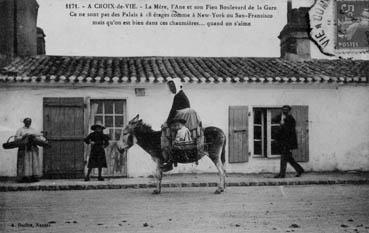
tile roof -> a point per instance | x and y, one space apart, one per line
189 69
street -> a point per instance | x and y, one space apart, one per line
328 208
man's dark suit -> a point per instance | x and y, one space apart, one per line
287 141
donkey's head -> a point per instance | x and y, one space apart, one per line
127 138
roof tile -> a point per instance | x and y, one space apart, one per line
189 69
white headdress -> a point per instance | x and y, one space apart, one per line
177 83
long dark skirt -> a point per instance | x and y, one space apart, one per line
97 157
28 163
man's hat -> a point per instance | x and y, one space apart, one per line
97 125
286 106
180 120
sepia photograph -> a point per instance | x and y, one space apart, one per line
184 116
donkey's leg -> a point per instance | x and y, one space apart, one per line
215 153
216 140
158 177
221 185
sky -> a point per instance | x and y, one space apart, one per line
66 35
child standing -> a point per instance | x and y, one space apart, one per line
98 141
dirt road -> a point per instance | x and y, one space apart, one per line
333 208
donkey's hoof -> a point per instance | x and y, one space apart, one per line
156 191
219 191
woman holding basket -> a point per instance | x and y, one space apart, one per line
28 158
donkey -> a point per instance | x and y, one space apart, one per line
138 132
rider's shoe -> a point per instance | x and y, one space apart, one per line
166 163
167 167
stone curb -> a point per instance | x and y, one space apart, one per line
14 188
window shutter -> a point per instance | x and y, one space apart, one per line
238 134
301 113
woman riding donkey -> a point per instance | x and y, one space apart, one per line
165 146
180 112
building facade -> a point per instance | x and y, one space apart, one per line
65 95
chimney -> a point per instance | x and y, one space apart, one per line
295 40
289 9
17 29
40 41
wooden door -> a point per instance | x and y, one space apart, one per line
301 114
238 134
63 120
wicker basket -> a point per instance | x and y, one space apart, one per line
25 141
14 143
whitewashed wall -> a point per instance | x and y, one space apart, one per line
338 115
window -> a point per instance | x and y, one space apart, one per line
112 113
265 131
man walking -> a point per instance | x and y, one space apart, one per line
287 141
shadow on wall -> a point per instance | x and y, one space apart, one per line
357 158
8 158
139 163
325 162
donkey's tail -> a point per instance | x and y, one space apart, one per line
222 156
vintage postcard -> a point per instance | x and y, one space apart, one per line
184 116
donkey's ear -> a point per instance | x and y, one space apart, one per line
134 119
140 121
